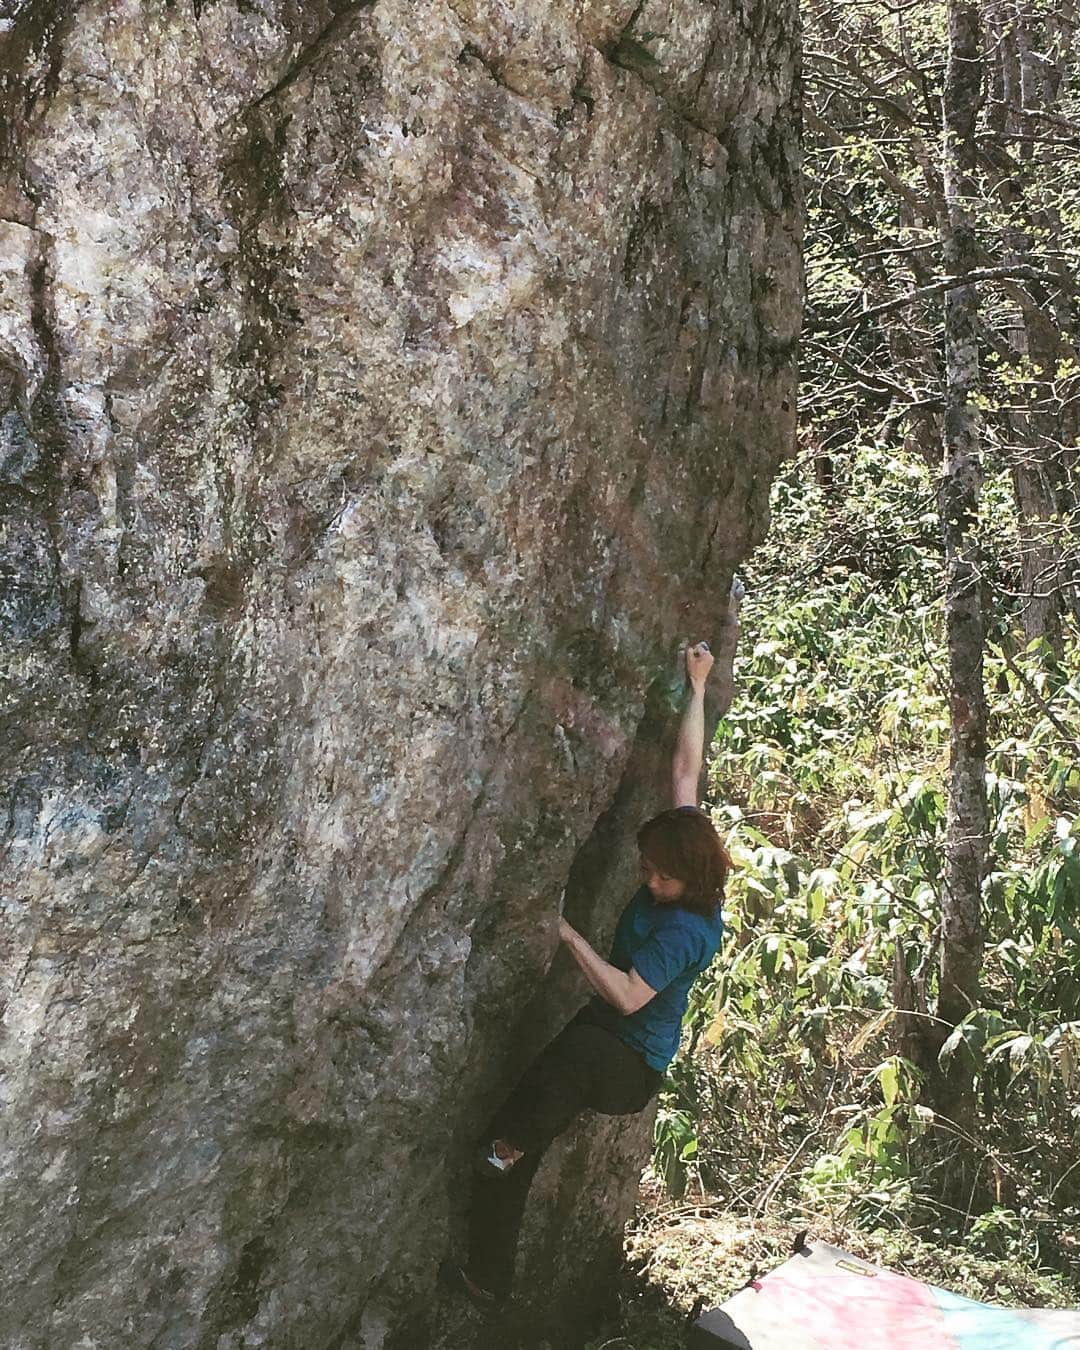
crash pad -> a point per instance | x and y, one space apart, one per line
826 1299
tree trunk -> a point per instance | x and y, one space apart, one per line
962 938
1043 334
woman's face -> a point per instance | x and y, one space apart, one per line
664 889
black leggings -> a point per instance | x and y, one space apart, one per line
584 1067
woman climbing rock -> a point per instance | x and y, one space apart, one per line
611 1057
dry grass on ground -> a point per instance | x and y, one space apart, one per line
696 1253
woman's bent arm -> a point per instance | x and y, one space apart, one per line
624 990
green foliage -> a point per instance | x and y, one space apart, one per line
812 1044
675 1146
829 781
807 1055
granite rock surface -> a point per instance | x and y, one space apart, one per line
386 389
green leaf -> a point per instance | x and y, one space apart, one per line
889 1077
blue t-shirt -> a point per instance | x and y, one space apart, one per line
668 947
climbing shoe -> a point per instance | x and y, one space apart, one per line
489 1164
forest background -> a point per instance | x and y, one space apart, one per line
888 1049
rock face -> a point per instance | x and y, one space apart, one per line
388 387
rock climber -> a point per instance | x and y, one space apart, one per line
612 1055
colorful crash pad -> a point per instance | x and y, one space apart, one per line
826 1299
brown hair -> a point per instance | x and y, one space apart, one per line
683 843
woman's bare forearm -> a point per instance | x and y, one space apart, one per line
625 990
689 753
612 984
690 745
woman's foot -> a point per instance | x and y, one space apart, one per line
497 1158
456 1278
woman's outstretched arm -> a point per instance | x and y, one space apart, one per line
690 747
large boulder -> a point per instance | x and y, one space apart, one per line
388 388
